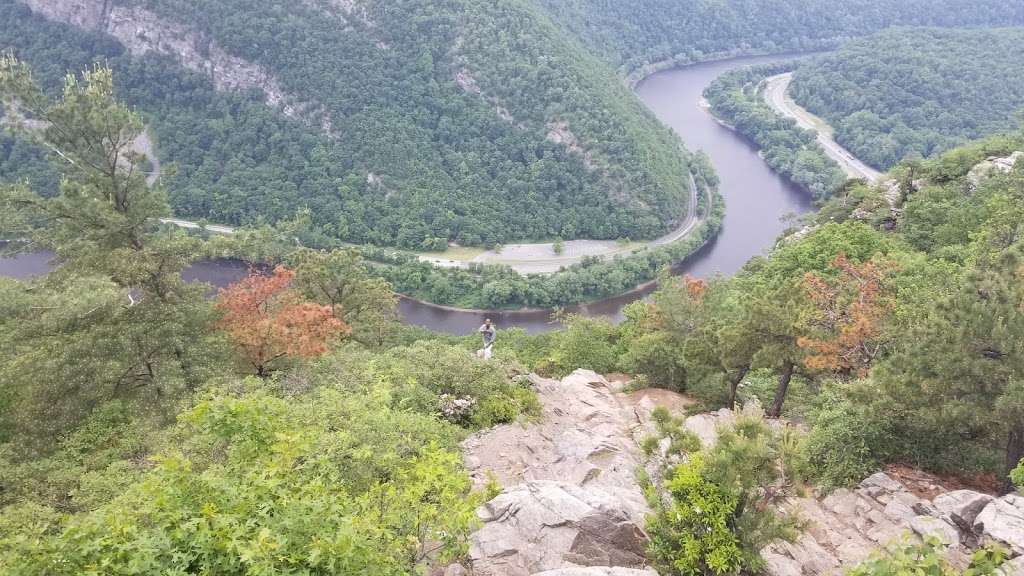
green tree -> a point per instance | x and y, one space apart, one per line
721 512
115 319
341 280
968 355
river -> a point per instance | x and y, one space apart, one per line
757 199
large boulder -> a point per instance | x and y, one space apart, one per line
1002 520
571 500
584 437
547 525
991 166
962 506
931 527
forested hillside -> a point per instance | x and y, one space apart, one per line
636 34
409 123
916 91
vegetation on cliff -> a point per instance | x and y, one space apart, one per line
645 32
893 333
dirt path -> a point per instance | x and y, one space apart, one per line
541 259
776 96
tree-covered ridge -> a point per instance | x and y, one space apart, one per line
916 91
470 121
636 34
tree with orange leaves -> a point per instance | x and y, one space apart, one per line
270 321
844 330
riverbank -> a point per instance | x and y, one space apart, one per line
736 100
543 258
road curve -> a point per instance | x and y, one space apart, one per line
541 259
776 97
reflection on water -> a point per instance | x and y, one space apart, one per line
757 200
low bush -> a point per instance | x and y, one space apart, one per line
721 503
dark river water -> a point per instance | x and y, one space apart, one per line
756 201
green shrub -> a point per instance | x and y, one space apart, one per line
722 503
659 357
926 559
437 378
1017 475
694 535
257 483
847 441
585 343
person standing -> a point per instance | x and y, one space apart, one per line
489 334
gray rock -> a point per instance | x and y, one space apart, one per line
991 166
814 558
1013 567
883 481
962 506
456 570
779 565
842 502
931 527
1002 520
583 437
597 571
546 525
705 426
902 507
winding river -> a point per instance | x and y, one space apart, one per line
757 200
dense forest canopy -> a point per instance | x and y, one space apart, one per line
420 122
470 121
635 34
916 91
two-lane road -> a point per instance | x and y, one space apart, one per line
776 96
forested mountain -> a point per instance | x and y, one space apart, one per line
636 34
916 91
405 123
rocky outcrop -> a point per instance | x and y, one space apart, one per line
571 504
597 572
141 31
843 528
992 166
1002 520
559 133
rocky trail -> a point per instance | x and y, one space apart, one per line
570 504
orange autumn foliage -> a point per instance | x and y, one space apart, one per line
695 287
267 320
847 316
